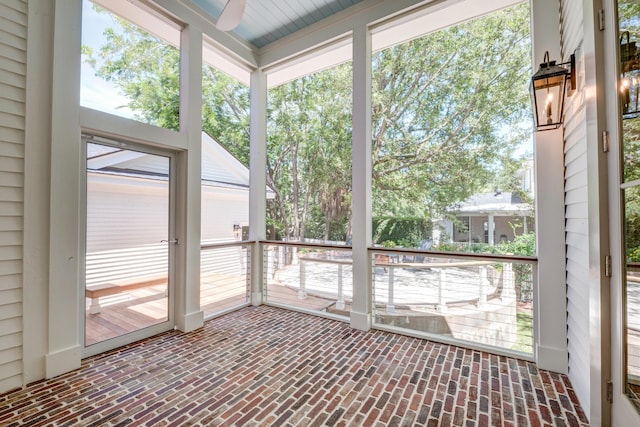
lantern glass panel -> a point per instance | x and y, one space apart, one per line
549 100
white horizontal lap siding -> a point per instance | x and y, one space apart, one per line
123 214
576 212
13 46
126 220
221 209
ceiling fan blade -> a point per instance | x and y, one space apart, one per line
231 15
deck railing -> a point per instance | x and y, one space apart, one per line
632 317
308 277
483 300
225 277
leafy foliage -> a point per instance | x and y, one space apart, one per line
448 110
147 72
628 12
309 154
441 106
403 232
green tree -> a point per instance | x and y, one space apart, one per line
628 13
448 110
146 70
309 153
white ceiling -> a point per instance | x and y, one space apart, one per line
266 21
320 41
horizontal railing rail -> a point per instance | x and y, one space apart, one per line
225 276
461 255
469 299
207 246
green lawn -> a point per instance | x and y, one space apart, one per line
525 332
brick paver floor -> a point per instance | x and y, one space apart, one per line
264 366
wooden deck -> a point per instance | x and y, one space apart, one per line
141 308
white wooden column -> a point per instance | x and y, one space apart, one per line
492 229
361 185
37 160
188 315
551 300
594 51
64 350
258 180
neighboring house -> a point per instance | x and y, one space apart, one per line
491 217
128 208
488 218
121 182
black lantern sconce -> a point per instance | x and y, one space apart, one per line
236 231
548 87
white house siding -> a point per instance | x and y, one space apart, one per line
127 217
126 220
13 46
576 211
222 208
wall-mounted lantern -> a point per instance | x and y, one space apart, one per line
548 87
236 231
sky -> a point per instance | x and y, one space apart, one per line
95 92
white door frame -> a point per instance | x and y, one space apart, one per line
623 413
170 323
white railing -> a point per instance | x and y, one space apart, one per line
485 300
308 277
225 275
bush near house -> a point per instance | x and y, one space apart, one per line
404 232
522 245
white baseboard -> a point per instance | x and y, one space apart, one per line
553 359
63 361
361 321
191 322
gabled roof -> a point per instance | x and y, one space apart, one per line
506 203
219 167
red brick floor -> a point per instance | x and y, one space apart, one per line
263 366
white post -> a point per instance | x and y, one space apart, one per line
442 298
187 284
482 285
340 303
390 304
491 232
302 291
258 181
509 282
551 339
37 162
64 345
361 179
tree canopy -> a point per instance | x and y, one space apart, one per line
448 114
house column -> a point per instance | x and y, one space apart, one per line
361 170
491 231
551 338
64 351
258 180
188 315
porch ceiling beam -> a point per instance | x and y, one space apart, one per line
334 28
327 43
235 49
